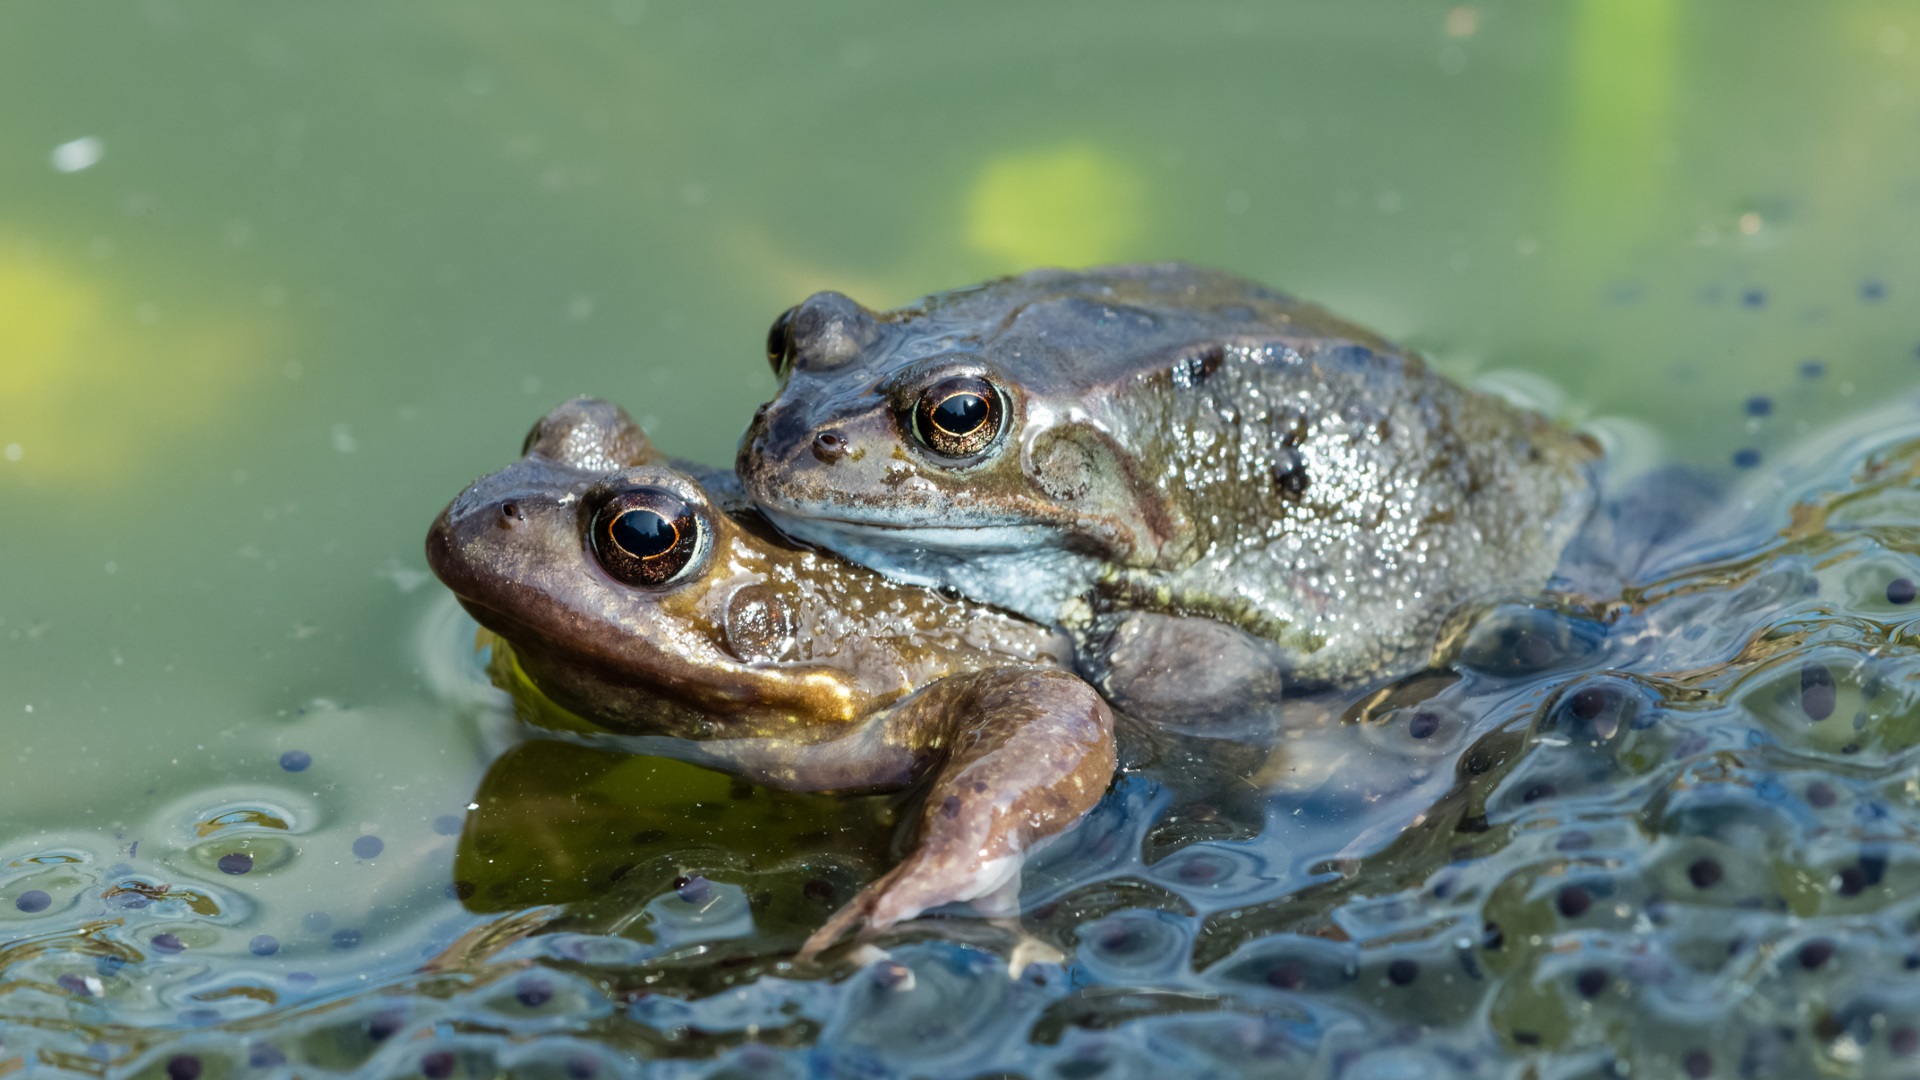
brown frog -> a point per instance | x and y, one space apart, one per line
1211 485
641 594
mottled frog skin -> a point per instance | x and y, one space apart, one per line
632 596
1189 471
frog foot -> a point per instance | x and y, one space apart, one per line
914 886
1027 950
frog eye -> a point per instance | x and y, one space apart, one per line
780 342
960 416
647 537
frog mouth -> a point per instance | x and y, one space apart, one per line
847 535
1021 568
513 628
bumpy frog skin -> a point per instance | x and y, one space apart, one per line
1157 455
732 648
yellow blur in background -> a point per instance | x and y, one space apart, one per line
1070 206
94 385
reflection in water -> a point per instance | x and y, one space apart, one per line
608 831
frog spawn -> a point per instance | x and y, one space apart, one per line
1699 862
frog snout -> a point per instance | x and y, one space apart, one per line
781 436
785 428
443 549
486 529
495 510
829 447
476 510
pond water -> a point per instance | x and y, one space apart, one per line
276 282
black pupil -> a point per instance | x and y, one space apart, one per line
644 533
961 413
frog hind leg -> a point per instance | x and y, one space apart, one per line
1021 754
1637 528
1187 673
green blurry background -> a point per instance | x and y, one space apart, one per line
333 259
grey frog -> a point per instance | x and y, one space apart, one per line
1211 485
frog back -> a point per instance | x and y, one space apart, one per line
1336 496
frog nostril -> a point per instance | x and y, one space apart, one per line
829 446
511 512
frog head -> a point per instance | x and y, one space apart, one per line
628 596
1014 425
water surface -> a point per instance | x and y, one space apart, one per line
275 283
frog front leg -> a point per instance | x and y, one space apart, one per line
1016 755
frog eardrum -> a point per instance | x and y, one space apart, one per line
647 536
959 417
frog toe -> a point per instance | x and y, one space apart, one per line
923 882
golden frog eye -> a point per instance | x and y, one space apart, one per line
780 342
647 537
960 416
